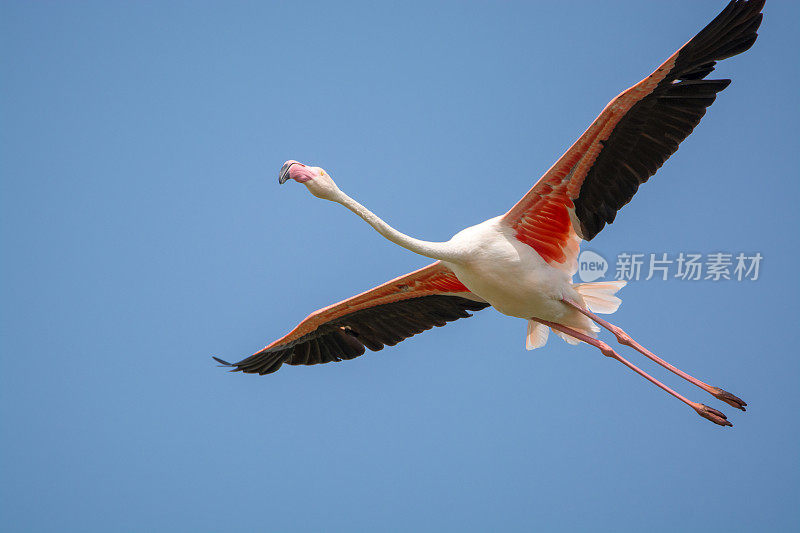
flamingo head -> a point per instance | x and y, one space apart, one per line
318 182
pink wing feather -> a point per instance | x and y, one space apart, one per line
630 140
385 315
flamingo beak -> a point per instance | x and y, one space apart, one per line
283 175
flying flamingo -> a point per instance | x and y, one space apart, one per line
522 262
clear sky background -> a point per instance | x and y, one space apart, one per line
143 230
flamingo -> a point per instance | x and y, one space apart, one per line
522 263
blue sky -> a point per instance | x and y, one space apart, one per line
143 230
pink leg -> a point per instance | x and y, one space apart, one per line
703 410
625 339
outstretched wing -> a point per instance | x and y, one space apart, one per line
385 315
630 140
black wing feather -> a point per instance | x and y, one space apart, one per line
653 128
350 335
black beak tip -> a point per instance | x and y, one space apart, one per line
283 175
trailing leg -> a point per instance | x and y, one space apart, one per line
625 339
703 410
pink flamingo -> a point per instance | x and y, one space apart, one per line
522 262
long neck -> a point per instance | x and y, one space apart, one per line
435 250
